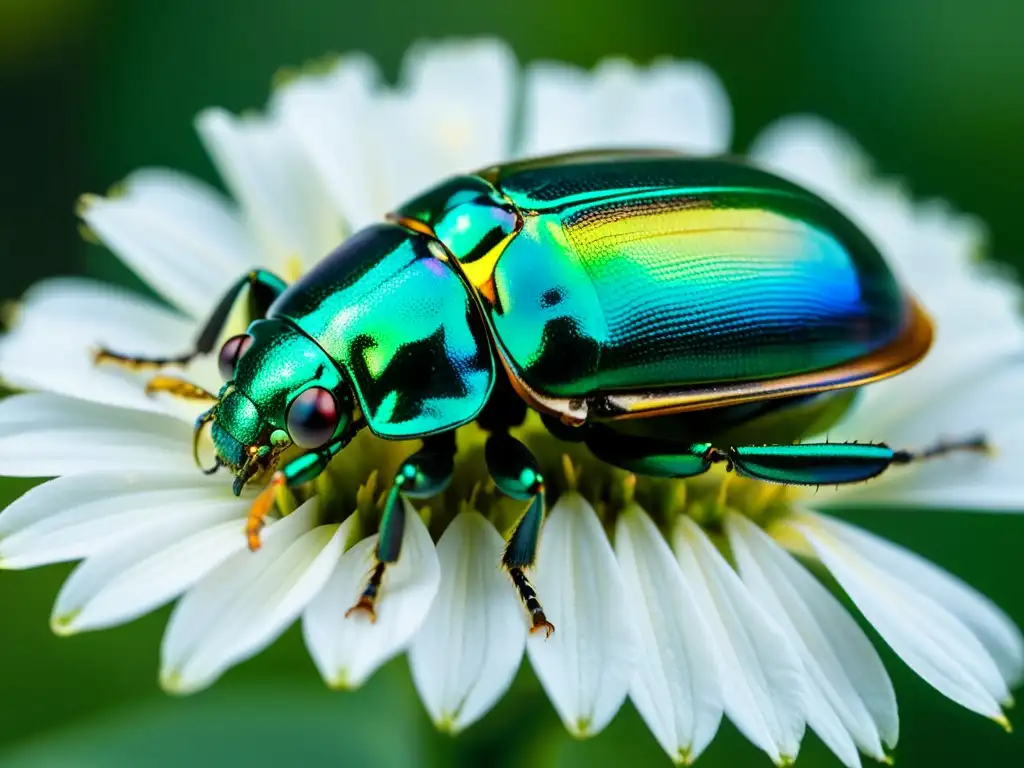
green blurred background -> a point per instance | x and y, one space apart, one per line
92 89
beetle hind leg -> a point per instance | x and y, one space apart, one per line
829 463
653 457
517 474
836 463
974 444
787 464
180 388
424 474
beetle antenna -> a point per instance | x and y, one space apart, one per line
205 418
217 464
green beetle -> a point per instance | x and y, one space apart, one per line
670 312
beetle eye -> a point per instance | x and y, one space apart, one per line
233 349
312 418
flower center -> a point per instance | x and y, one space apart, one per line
357 481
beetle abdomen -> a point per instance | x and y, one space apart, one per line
728 274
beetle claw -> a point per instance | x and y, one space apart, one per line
365 605
367 602
541 624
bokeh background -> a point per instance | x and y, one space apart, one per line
91 89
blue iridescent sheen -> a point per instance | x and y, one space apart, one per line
812 464
687 271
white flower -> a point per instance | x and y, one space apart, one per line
703 614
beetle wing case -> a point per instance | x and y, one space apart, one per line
634 283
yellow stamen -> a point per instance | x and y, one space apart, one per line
569 470
293 269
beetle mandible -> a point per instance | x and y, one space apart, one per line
670 312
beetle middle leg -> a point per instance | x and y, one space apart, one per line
517 474
424 474
264 288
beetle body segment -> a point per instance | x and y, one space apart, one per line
616 284
400 323
717 273
605 286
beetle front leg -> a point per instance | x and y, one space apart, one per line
264 288
517 474
424 474
299 471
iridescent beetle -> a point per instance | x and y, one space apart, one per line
669 312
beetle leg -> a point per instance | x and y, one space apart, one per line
179 388
975 444
788 464
832 463
651 457
264 288
811 463
424 474
516 473
301 470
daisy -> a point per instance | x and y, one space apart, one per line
695 599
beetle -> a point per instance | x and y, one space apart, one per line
670 312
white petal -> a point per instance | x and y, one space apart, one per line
451 114
335 117
284 200
464 657
675 684
667 105
80 515
179 235
374 147
61 322
43 435
348 650
762 679
853 698
993 628
983 405
813 153
586 665
148 570
930 639
244 604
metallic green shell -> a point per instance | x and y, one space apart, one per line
655 272
614 276
280 364
402 326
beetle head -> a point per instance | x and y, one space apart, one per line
281 390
